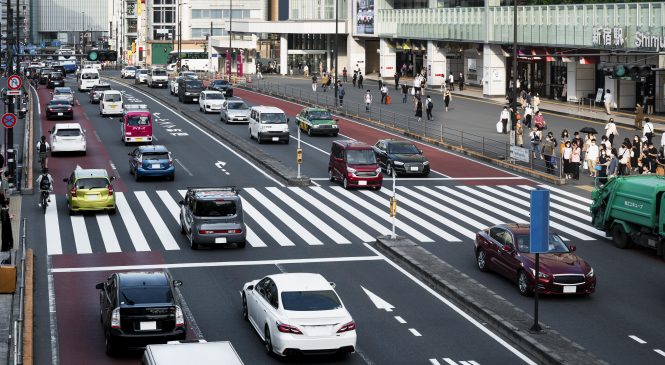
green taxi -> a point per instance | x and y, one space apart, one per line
317 121
90 190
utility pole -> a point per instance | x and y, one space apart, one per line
336 47
122 30
230 36
514 104
10 39
179 35
18 35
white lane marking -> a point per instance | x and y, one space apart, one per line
449 361
637 339
564 199
400 319
112 165
383 213
207 134
308 237
97 136
170 204
464 362
585 216
133 228
415 332
473 362
183 167
434 362
659 352
457 204
438 178
562 192
527 204
39 107
53 324
81 239
53 243
221 264
108 235
264 223
360 216
336 217
182 192
455 308
165 236
253 239
526 213
316 221
421 222
378 302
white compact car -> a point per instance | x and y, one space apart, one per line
210 101
128 72
298 313
110 103
67 137
141 76
268 123
157 77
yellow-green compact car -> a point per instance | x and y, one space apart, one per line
90 190
317 121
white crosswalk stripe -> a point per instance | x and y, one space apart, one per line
294 216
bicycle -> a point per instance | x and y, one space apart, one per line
44 199
43 160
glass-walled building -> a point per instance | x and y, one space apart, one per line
67 20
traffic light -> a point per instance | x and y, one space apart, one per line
299 156
393 207
102 56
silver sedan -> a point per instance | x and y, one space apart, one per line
235 110
64 93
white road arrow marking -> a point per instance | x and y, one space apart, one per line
378 302
220 164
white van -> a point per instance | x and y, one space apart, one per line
110 102
268 123
197 352
89 77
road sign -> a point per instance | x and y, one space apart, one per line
14 82
8 120
540 221
14 92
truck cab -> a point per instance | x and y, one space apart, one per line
136 124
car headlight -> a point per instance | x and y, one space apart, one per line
398 163
378 170
425 162
351 170
335 126
590 274
541 274
315 126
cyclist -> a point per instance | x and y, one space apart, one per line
43 147
45 183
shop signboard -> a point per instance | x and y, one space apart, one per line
364 15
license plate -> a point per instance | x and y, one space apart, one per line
148 326
570 289
93 196
195 99
156 166
140 139
362 182
112 106
414 168
275 139
60 114
319 330
220 240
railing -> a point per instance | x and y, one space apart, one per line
16 347
456 139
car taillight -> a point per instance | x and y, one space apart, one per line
217 231
73 191
351 326
179 317
115 318
285 328
110 187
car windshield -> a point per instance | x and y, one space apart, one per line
56 75
556 244
112 97
314 300
158 72
155 155
145 295
102 87
273 118
214 208
360 157
69 132
238 105
402 148
138 120
320 114
130 68
63 92
189 74
92 183
220 82
194 83
214 96
90 76
142 72
59 102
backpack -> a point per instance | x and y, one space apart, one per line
430 104
42 147
342 93
44 183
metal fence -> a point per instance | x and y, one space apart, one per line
433 131
16 347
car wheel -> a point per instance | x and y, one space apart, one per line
112 211
481 258
258 138
426 174
108 341
192 244
245 314
523 283
345 183
268 341
309 132
620 237
136 176
288 140
389 168
331 177
250 133
172 177
334 134
84 153
377 188
182 226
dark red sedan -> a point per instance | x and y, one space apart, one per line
504 249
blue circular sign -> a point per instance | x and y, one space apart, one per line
8 120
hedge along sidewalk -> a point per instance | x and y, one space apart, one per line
546 347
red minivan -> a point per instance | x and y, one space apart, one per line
354 164
136 124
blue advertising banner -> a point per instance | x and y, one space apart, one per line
540 221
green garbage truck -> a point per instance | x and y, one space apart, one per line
631 209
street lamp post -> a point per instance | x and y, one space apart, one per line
230 36
514 103
336 46
179 63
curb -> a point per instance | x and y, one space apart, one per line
547 347
28 305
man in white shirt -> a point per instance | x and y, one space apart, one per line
608 101
592 153
451 81
647 129
504 117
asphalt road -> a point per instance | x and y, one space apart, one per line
322 229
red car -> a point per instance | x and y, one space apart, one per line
504 249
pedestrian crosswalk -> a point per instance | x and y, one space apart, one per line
314 216
449 361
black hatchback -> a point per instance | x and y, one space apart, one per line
140 308
402 157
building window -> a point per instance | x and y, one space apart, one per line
164 33
203 32
220 14
163 15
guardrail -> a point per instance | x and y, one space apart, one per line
440 133
16 347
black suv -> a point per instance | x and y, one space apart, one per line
140 308
189 90
97 91
401 156
55 79
222 86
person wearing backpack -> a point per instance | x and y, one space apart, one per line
340 93
43 148
45 183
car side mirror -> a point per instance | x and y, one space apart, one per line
65 180
99 286
181 203
332 284
111 178
507 248
250 287
49 132
177 282
572 248
129 154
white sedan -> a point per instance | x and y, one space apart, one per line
67 137
210 101
298 313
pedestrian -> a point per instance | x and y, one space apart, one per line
460 80
635 152
528 115
380 81
613 164
591 157
611 130
519 138
368 100
624 157
324 82
548 153
355 77
528 98
639 116
419 108
647 131
601 166
396 77
313 82
384 94
575 159
505 115
306 71
535 137
344 72
451 81
446 98
6 221
607 99
429 106
360 80
416 84
649 104
652 157
4 183
539 121
405 92
576 139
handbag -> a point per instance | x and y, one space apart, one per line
599 167
585 166
499 127
413 91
